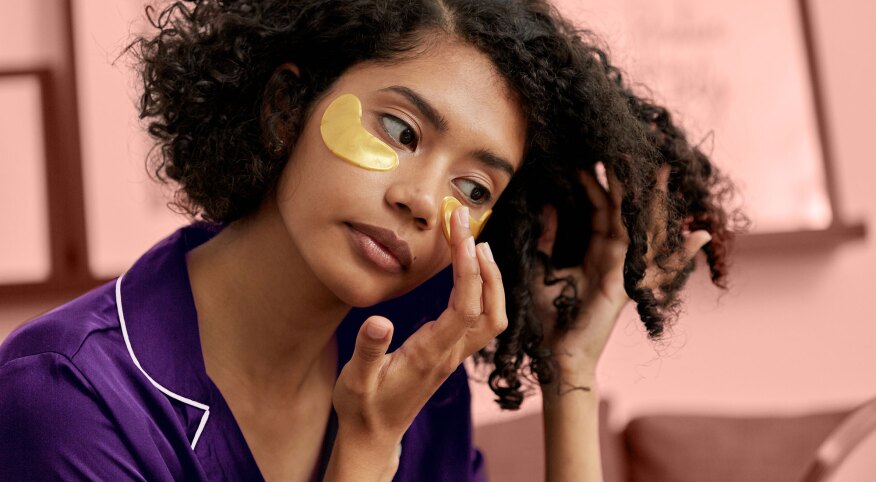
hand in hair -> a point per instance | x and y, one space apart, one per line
599 280
378 394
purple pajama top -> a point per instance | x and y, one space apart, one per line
112 386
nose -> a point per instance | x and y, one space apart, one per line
416 197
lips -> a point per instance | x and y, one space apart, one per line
388 240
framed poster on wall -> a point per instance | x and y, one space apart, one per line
739 76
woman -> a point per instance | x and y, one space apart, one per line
313 325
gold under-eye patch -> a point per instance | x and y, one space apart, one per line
342 132
476 225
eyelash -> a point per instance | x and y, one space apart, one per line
487 196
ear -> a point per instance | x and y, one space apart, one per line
280 110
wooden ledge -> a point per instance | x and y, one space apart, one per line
830 237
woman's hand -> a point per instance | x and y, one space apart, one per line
377 395
600 282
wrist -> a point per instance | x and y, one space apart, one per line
562 385
573 367
568 379
563 394
356 458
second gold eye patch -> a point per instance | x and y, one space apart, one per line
476 225
343 133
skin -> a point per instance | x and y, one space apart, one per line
271 289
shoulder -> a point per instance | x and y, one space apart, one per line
69 358
39 388
56 424
45 363
64 329
74 402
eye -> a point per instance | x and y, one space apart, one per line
399 130
477 193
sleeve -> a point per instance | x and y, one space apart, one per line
52 426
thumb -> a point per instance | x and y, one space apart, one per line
372 342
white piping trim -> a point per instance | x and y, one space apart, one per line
200 428
157 385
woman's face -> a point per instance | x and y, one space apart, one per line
453 122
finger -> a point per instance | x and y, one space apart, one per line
371 345
663 177
549 226
599 198
465 307
616 193
495 319
695 242
659 209
599 170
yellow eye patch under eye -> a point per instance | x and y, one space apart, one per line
342 132
476 225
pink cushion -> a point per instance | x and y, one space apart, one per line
681 448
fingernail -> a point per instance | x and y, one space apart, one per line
469 246
487 251
463 213
376 331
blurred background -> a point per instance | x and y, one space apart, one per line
779 92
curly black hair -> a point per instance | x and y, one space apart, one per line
224 119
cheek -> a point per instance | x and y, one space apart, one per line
442 257
342 131
313 177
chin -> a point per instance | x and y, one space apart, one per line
361 297
356 289
364 291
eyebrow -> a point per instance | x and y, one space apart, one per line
489 159
485 156
430 113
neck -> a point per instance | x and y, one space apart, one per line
266 322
